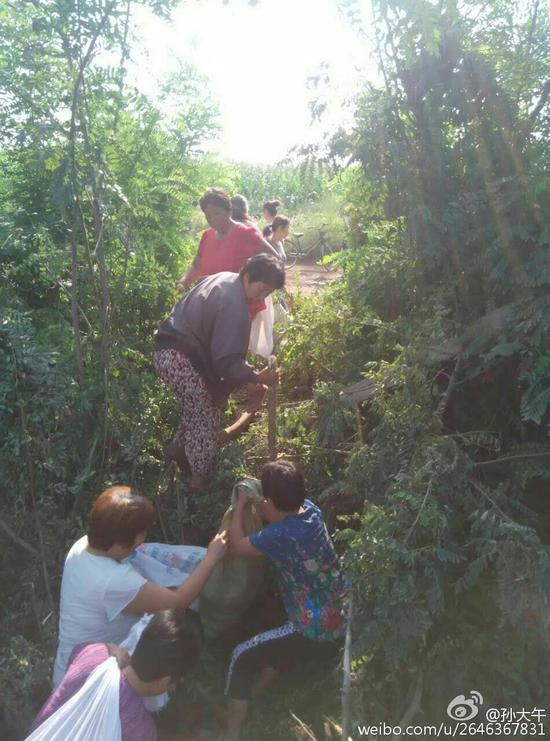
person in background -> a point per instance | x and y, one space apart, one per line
226 245
239 211
313 589
169 646
201 355
102 597
276 233
269 212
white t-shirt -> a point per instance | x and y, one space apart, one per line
94 592
279 248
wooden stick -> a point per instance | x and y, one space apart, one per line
359 423
272 413
304 728
346 682
414 706
237 428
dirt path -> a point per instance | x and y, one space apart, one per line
311 278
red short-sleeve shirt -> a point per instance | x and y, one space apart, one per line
230 253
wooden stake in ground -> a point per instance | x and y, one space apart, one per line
346 683
272 413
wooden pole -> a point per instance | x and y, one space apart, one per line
359 422
346 683
272 413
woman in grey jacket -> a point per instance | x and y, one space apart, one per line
200 352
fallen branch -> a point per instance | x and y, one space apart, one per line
312 450
326 450
304 728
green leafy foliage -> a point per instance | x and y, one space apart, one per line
449 250
98 185
536 399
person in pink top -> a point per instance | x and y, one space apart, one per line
169 646
226 245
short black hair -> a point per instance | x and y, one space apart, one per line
283 483
169 646
216 197
266 268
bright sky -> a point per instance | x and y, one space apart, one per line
257 60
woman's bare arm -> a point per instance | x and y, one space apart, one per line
154 598
267 247
239 542
190 276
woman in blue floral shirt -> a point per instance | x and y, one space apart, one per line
312 586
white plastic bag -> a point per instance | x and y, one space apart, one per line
261 331
89 715
153 703
169 566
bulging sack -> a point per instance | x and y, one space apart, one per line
235 580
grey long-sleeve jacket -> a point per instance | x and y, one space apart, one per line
211 326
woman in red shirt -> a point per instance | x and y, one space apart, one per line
226 245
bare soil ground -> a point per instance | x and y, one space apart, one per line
309 277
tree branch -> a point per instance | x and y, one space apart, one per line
539 106
18 540
511 458
444 401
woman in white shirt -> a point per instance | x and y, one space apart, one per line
101 596
276 233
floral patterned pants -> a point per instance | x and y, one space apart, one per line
198 429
